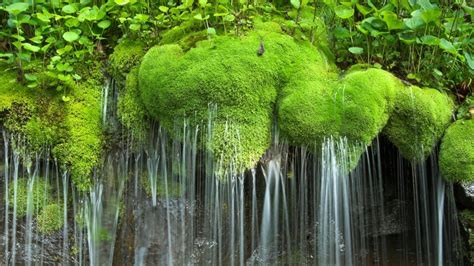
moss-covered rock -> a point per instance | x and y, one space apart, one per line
227 72
127 54
356 106
51 219
418 121
456 158
40 196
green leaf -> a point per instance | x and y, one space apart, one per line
229 18
104 24
66 98
344 12
31 47
198 16
202 3
341 33
392 20
122 2
70 36
31 77
163 9
356 50
469 59
17 8
429 40
295 3
69 9
363 9
211 31
447 46
135 27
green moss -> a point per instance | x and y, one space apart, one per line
126 55
40 194
356 106
418 121
130 107
226 72
456 158
82 149
51 219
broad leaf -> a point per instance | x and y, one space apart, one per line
17 8
70 36
295 3
344 12
31 47
356 50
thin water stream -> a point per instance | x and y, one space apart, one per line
165 201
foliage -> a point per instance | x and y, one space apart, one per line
427 42
418 121
456 158
40 195
51 219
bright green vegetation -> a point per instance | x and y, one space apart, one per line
82 150
456 158
418 121
356 106
40 195
127 54
228 73
51 219
43 118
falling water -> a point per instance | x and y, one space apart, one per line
168 200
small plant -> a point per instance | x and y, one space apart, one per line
51 219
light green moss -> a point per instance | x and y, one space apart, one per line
228 73
81 152
456 158
127 54
418 121
40 196
356 106
51 219
130 107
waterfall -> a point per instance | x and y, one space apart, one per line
168 200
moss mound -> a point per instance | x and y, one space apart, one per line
127 54
356 106
418 121
44 119
227 72
456 158
51 219
40 196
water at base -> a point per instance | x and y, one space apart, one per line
166 202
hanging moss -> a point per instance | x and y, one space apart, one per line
51 219
419 119
81 151
40 196
130 107
456 158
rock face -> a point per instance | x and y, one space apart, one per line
456 160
